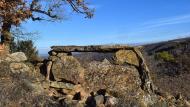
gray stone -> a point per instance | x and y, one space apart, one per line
76 89
61 85
62 54
49 65
53 58
110 101
99 99
52 53
16 57
187 103
126 56
97 48
105 61
68 68
19 67
122 80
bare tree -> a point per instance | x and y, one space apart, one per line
14 12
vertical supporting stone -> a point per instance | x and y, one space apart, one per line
49 65
144 73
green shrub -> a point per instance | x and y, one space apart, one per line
166 56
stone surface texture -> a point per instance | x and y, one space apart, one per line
16 57
63 81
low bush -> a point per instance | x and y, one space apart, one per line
166 56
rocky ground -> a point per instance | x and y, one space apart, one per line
20 83
170 71
120 80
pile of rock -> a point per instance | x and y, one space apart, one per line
122 82
70 78
64 81
19 83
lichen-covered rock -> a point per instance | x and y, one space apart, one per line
92 48
16 57
62 54
96 84
126 56
62 85
53 58
74 90
99 99
110 101
52 53
116 79
19 67
68 68
21 89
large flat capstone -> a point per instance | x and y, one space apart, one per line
96 48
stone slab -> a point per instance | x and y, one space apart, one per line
92 48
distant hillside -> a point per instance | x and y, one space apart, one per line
169 62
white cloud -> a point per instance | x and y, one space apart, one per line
167 21
159 29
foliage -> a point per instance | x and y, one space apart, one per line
27 47
14 12
164 55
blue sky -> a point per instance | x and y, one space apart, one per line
117 22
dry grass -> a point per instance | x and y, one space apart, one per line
16 92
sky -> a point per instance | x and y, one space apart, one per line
116 22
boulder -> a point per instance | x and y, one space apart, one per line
19 67
52 53
16 57
115 79
99 99
111 101
63 54
52 58
69 97
126 56
123 83
74 90
68 68
62 85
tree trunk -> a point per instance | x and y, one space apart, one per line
6 35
